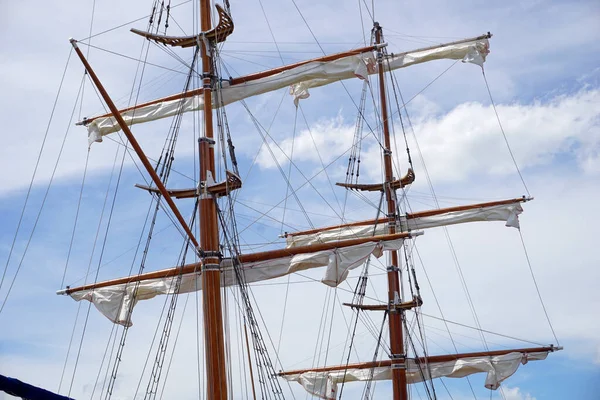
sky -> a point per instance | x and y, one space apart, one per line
543 73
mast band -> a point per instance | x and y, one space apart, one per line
209 254
211 267
398 366
206 139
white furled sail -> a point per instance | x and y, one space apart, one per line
116 301
301 77
498 368
503 212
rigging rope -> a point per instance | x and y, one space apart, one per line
537 288
268 383
65 271
35 169
446 232
163 169
512 156
358 298
354 157
266 373
367 391
45 197
91 259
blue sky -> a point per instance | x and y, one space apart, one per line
543 71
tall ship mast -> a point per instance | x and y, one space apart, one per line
214 263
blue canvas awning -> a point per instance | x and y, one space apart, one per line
15 387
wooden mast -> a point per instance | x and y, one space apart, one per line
398 356
214 343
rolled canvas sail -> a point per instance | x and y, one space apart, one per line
115 302
498 368
505 212
300 78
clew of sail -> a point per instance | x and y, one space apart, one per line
299 77
323 384
505 210
116 301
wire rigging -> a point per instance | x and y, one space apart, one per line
35 170
512 156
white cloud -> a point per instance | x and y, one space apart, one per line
514 393
467 141
309 144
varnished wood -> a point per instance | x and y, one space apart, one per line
216 35
395 320
380 187
407 305
235 81
263 74
269 255
136 147
274 71
177 96
177 193
418 214
243 258
430 359
212 308
232 182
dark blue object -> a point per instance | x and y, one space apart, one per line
15 387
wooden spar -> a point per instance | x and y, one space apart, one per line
395 320
430 359
235 81
274 71
264 74
418 214
177 96
244 258
212 308
407 305
269 255
380 187
134 144
216 35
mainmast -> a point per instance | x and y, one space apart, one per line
209 232
398 356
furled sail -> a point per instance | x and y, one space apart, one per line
498 368
505 210
116 301
300 77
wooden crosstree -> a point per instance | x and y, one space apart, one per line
216 35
